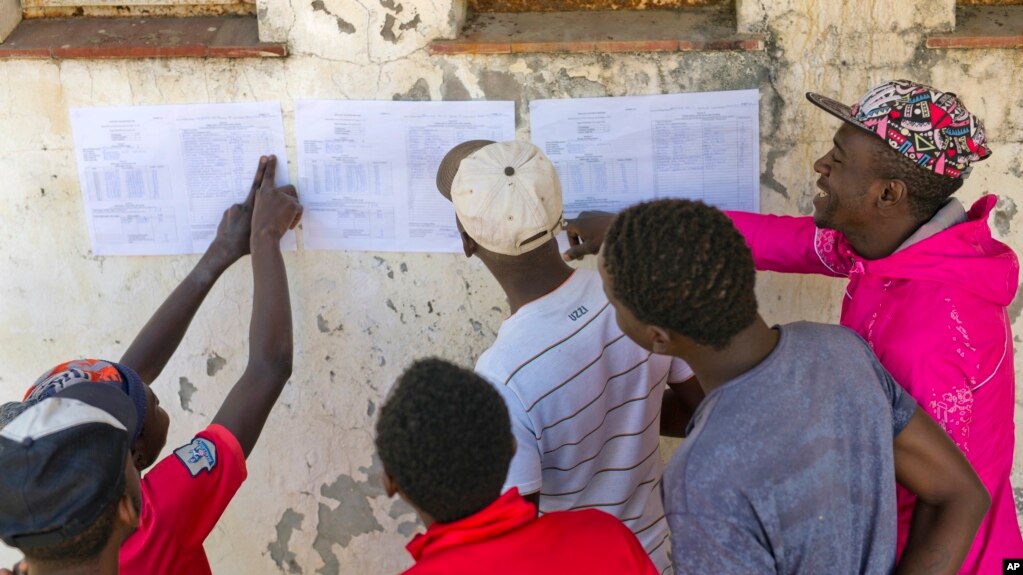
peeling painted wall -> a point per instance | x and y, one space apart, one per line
312 503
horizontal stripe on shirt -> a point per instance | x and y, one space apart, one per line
599 427
657 417
557 343
594 400
602 471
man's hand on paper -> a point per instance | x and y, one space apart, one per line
236 224
586 234
276 210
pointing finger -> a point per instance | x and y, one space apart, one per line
258 181
270 173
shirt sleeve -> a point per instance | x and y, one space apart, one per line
903 404
525 469
189 490
702 545
791 244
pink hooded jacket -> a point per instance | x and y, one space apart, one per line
935 314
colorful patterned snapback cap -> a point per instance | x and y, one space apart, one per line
930 127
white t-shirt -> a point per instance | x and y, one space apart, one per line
585 405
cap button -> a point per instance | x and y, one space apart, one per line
27 442
509 171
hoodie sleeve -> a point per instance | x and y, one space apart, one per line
791 245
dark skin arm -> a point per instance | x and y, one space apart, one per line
248 404
153 347
159 339
678 406
951 500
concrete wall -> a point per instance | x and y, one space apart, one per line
312 503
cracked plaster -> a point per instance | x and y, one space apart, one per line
350 345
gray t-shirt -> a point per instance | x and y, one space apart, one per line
788 468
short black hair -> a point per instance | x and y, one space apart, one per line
444 436
682 265
83 547
927 190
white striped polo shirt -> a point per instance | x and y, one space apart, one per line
585 405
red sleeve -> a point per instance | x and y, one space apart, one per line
183 497
792 245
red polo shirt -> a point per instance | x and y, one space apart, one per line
183 497
508 537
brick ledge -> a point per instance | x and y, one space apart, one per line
991 27
694 29
118 38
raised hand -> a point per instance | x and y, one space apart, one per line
276 209
156 342
271 343
586 234
236 224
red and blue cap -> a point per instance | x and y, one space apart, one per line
930 127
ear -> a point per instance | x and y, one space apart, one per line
469 245
660 339
390 486
126 512
893 193
136 454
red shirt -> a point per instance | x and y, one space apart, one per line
508 537
183 497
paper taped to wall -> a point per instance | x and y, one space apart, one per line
367 170
156 179
613 152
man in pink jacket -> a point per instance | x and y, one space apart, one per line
928 285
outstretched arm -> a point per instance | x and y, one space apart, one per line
951 500
249 402
779 243
791 244
160 337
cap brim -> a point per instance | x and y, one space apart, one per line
836 109
13 409
107 398
448 167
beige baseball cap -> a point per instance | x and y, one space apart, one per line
507 195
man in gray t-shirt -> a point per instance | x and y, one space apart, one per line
791 460
787 459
